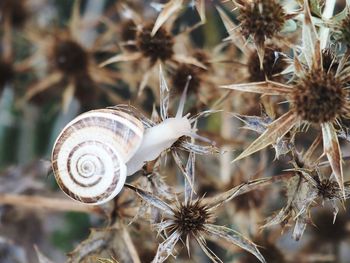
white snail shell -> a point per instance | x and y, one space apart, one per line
90 154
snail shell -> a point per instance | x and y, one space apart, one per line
89 156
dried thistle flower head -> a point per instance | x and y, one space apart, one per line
147 47
70 57
327 188
272 65
320 97
71 62
261 19
180 76
183 71
193 219
157 47
307 189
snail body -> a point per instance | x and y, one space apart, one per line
97 150
158 139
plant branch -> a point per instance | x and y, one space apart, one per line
46 203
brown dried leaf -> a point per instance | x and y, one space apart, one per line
164 95
123 57
165 249
236 191
231 29
178 161
152 200
106 260
234 238
102 243
264 87
44 84
274 132
189 60
169 9
201 241
200 6
309 36
74 20
332 150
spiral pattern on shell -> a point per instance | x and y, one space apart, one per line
89 155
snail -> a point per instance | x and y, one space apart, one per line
96 151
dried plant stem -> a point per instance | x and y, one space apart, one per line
327 13
46 203
132 250
226 133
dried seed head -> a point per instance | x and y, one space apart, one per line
6 73
159 46
70 57
191 217
319 97
128 34
345 30
272 65
261 19
15 10
328 189
180 76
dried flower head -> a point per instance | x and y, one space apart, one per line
193 219
157 47
328 189
190 218
261 19
318 97
180 76
307 188
145 49
71 63
273 64
70 57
